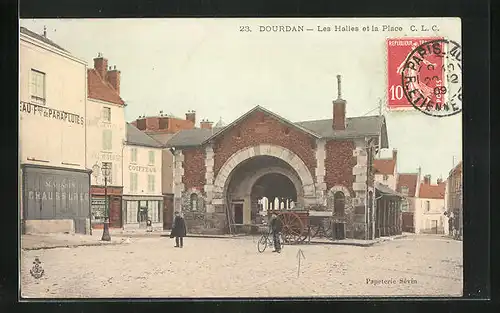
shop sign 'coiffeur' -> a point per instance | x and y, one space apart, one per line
137 168
44 111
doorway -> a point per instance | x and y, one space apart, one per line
115 212
238 213
434 228
338 231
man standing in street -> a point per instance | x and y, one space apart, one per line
178 230
276 230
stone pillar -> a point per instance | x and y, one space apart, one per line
178 184
209 178
360 171
320 171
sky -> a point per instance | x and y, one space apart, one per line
213 67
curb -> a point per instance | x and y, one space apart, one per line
74 246
209 236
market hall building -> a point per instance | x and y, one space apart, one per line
54 183
221 174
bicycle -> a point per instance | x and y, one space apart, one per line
267 239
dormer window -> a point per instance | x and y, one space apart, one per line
286 130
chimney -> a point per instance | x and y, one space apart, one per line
427 179
339 108
206 124
394 154
45 31
101 65
191 116
113 77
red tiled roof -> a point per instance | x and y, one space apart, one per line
100 89
408 180
384 166
428 191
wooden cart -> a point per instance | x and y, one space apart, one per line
295 224
300 224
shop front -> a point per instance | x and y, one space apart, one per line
137 210
98 205
55 200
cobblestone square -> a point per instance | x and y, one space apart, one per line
417 265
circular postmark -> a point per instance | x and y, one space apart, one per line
432 78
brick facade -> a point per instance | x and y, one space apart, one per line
323 162
260 128
194 168
339 163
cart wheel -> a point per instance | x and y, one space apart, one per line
293 228
262 244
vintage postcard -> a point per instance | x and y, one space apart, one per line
238 157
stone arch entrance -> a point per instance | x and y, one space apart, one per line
264 171
287 156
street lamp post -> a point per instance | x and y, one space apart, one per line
105 173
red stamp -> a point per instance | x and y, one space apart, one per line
398 50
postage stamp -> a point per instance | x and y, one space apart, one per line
432 77
240 157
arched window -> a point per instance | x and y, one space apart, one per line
339 203
194 202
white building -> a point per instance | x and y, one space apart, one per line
430 208
52 111
142 180
386 170
106 135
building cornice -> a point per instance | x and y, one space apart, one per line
122 106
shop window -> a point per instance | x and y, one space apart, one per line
154 213
98 207
37 87
132 211
194 202
339 203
